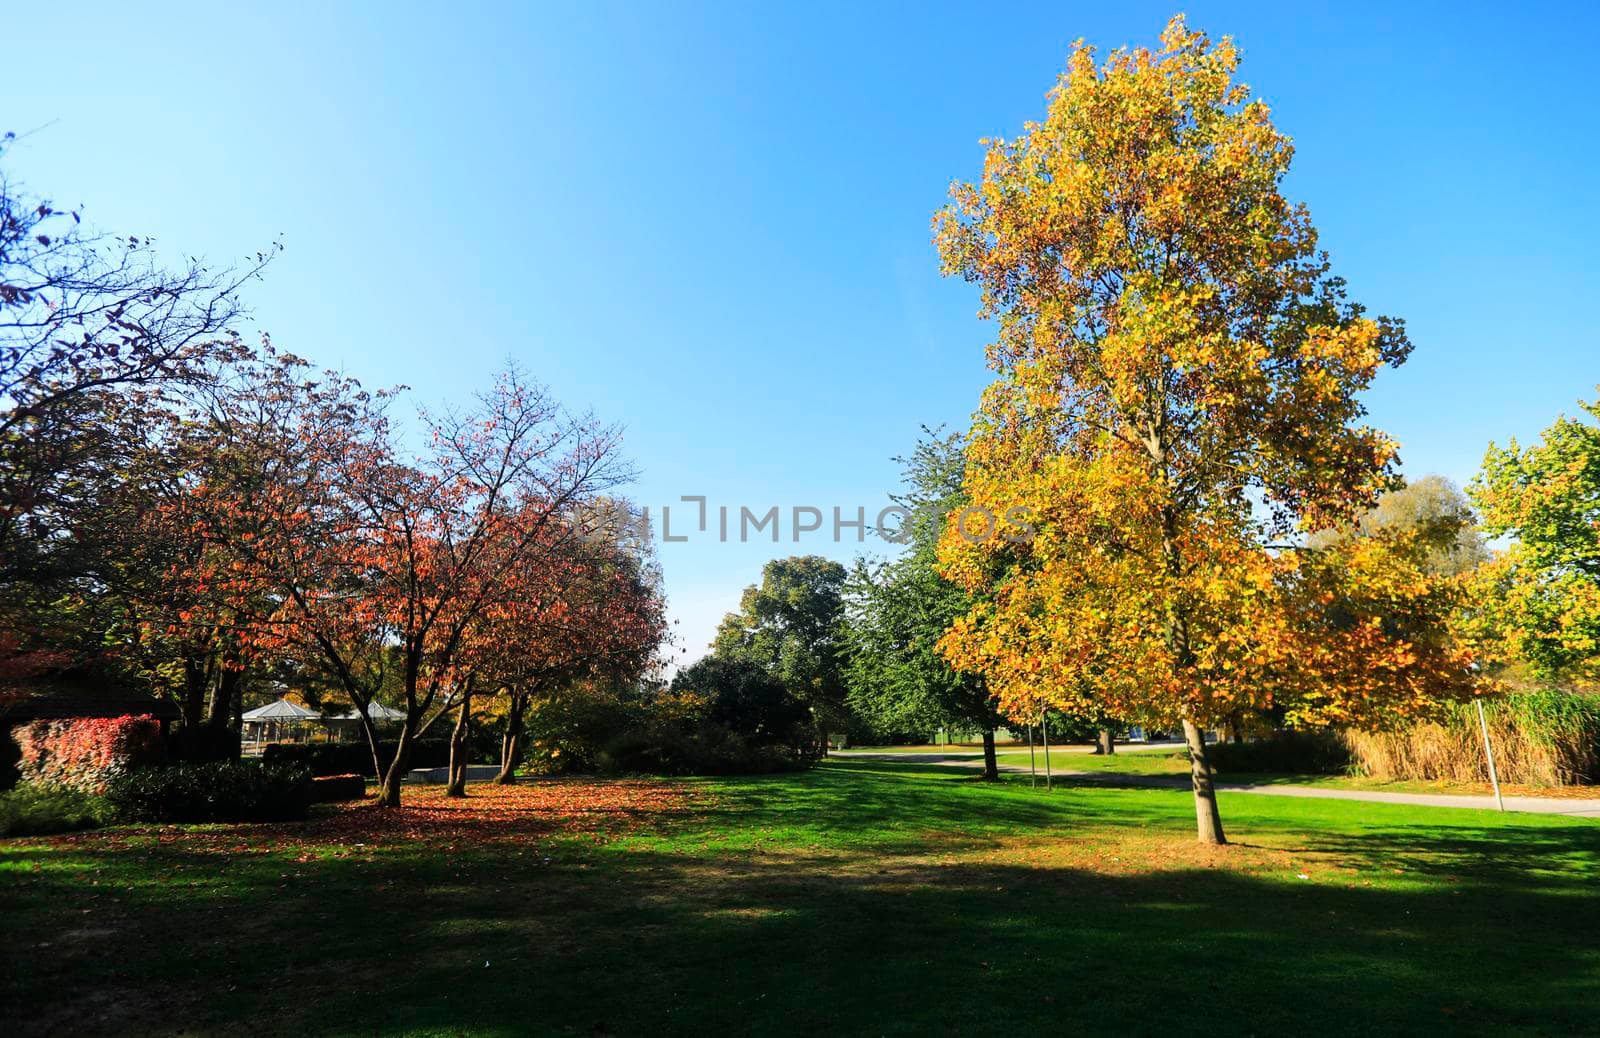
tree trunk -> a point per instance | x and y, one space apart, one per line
221 740
1107 743
458 751
1207 818
191 708
389 791
991 767
510 745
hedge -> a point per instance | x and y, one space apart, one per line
1285 752
327 789
353 758
226 791
706 749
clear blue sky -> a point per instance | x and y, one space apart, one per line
712 223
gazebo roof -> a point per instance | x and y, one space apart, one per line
376 711
279 710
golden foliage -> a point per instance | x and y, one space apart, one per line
1178 394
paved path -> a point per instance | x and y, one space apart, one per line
1536 805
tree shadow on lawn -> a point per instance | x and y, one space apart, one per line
1486 929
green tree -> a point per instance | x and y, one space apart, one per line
896 612
1437 511
790 623
1542 595
745 697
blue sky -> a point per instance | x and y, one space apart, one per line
712 223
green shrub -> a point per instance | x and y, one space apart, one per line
31 810
327 789
354 758
705 749
226 791
1294 753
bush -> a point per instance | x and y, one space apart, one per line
1540 738
354 758
1295 753
86 753
227 791
32 810
706 749
327 789
564 733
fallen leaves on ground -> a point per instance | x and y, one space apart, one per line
530 812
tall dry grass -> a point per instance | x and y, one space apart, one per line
1541 738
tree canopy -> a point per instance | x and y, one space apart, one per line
1179 392
1541 596
790 623
897 611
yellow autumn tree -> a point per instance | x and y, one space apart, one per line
1177 404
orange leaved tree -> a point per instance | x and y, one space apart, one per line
381 568
590 606
1177 397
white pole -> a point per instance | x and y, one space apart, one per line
1488 751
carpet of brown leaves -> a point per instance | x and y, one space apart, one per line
535 811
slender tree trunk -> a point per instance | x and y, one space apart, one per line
1107 742
458 750
991 767
1207 818
389 791
510 744
370 731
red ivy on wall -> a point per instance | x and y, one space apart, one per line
86 753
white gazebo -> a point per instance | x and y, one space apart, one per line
379 713
270 722
349 722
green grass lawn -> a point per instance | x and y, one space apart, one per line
862 898
1134 762
1176 763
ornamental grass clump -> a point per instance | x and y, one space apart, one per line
1540 738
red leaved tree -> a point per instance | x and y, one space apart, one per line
379 563
593 609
